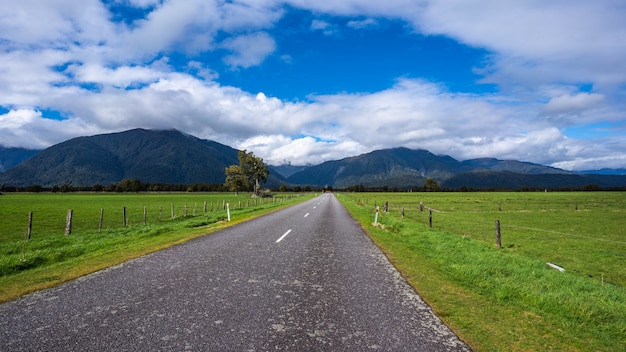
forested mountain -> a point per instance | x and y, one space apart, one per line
512 166
511 180
147 155
391 167
402 167
10 157
172 157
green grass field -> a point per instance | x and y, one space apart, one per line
504 299
51 257
509 299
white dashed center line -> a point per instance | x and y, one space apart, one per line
307 214
283 236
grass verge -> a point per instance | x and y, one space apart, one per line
500 299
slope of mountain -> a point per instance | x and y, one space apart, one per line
9 157
402 167
287 170
512 180
390 167
150 156
512 166
605 172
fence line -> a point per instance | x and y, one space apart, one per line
490 223
121 216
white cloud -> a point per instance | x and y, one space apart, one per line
143 3
248 50
30 129
324 26
28 24
573 104
123 77
615 161
531 41
541 52
360 24
538 41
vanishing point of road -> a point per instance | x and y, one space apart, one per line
305 278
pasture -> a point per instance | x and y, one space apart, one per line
508 298
584 232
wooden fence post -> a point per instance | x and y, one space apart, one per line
68 222
30 225
403 211
204 208
101 219
421 207
430 217
498 242
172 208
145 213
124 215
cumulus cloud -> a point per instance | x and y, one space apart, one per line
324 26
248 50
360 24
29 129
573 104
107 76
532 42
593 163
537 41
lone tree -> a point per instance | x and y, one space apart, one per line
248 174
431 185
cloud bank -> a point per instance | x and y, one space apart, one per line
73 68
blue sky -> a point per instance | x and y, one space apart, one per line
305 82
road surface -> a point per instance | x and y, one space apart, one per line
305 278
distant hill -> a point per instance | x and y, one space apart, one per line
390 167
402 167
512 180
512 166
605 172
288 170
10 157
167 156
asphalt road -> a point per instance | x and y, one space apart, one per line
305 278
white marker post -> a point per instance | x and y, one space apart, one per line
228 211
376 217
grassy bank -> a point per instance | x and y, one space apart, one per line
508 299
50 257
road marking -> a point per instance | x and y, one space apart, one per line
307 214
283 236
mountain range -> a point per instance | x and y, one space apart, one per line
173 157
151 156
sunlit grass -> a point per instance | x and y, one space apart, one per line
508 299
